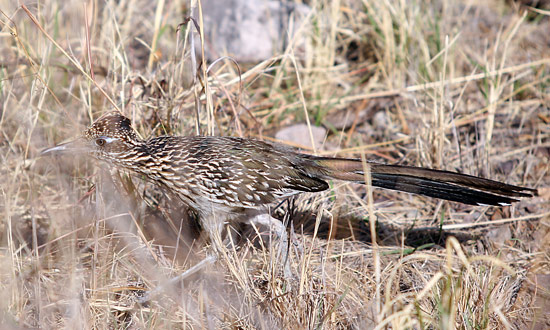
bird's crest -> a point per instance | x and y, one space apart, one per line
113 125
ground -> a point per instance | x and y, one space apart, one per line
451 85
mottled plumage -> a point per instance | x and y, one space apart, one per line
225 177
225 173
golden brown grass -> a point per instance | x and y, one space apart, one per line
449 85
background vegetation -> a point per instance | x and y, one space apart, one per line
453 85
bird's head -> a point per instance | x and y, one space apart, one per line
108 138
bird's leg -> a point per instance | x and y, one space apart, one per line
267 221
298 248
213 225
295 243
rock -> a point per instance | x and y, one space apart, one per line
248 30
499 235
298 135
380 120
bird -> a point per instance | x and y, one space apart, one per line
232 179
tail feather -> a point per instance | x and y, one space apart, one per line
446 185
440 190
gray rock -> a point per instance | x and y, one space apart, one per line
298 135
248 30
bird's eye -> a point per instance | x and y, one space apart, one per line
100 142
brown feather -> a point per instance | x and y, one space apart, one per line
433 183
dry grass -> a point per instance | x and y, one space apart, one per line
442 84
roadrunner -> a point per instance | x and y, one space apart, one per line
226 179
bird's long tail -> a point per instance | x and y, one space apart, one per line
446 185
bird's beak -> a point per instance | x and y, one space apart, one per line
78 146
